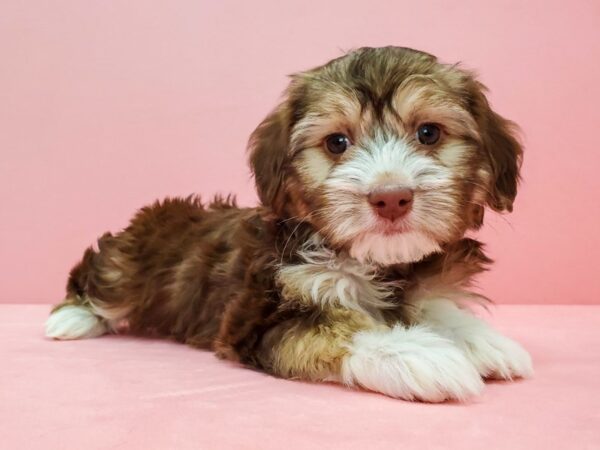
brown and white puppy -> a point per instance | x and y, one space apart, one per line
353 269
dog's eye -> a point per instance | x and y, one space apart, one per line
428 134
337 143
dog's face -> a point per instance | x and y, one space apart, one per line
387 153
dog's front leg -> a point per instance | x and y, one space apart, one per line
412 363
494 355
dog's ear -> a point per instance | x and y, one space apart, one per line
501 147
269 157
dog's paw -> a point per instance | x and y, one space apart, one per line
411 363
494 355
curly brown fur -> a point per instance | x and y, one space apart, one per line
316 283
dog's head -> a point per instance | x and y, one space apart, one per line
387 153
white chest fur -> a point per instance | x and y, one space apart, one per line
327 279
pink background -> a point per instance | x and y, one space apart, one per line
105 106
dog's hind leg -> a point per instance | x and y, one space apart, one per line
93 304
74 318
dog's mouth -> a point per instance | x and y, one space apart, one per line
388 227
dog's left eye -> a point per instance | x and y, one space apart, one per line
428 134
337 143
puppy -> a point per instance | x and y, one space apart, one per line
355 266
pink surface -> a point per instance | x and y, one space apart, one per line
107 105
123 393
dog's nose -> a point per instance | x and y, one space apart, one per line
391 204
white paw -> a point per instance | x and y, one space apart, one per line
410 363
74 322
495 356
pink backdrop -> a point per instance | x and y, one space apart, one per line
105 106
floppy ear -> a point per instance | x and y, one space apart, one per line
269 156
505 154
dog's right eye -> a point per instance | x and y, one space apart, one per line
337 143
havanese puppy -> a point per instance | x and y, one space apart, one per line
355 267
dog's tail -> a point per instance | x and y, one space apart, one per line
76 317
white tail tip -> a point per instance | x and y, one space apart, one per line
74 322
